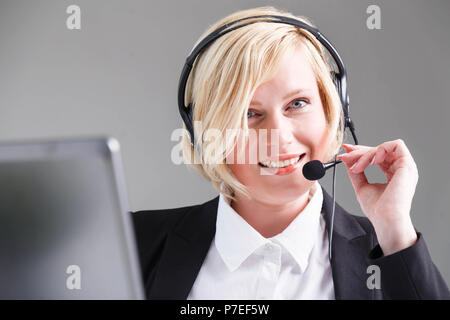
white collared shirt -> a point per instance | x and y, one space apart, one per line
242 264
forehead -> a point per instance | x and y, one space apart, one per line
293 72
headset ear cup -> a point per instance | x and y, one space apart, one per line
337 82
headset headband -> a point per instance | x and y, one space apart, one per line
340 78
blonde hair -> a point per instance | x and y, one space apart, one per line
224 78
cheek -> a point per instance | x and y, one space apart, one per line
242 172
313 133
244 163
319 132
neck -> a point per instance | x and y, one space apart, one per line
269 219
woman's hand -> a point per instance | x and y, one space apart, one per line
388 205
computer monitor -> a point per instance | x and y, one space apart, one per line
65 227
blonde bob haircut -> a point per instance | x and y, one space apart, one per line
224 78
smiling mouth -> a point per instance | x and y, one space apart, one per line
281 164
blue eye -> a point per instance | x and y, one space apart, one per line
250 113
297 105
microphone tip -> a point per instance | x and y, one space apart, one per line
313 170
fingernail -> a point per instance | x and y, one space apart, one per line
347 147
372 162
353 167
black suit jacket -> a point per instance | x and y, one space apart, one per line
173 244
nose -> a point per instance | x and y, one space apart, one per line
279 130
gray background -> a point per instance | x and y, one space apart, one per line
118 76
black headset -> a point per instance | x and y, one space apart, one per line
340 78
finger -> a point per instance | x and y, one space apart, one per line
348 147
380 156
377 156
386 170
358 180
350 158
398 149
354 155
398 155
363 161
383 157
353 147
384 161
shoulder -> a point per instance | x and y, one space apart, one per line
160 218
152 228
165 219
151 225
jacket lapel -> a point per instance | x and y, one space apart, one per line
351 245
184 252
188 244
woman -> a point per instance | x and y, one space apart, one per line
266 235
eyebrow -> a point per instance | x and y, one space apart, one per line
297 91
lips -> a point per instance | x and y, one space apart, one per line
283 157
283 162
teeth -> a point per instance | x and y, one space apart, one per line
280 164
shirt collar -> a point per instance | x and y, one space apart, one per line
300 235
235 239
